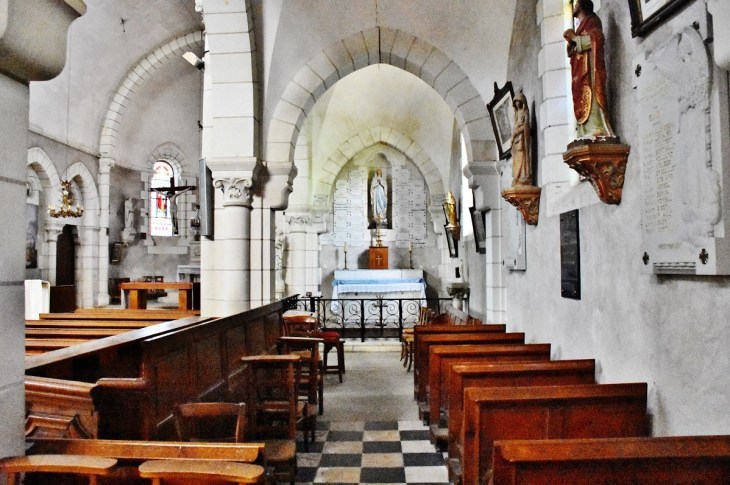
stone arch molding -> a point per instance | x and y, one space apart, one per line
39 161
399 49
374 136
90 194
172 154
133 80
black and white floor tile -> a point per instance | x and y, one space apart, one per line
371 452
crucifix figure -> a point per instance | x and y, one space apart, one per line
171 193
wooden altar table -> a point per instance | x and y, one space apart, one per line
134 294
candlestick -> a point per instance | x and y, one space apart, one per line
410 255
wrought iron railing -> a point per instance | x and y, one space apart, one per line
369 317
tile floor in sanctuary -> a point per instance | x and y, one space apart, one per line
370 431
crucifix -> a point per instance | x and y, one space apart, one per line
171 193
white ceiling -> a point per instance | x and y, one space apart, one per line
475 34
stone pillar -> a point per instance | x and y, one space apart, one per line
53 230
557 126
13 139
228 291
297 262
230 148
32 48
105 166
481 177
87 242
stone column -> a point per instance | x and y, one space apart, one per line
32 48
53 230
105 166
87 242
482 176
229 287
297 262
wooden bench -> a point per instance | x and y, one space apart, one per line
131 454
678 459
422 342
137 293
120 314
200 472
59 407
140 375
518 374
89 466
551 412
442 357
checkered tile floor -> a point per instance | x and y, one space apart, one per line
371 452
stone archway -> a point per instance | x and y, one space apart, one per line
399 49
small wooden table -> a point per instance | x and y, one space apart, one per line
138 293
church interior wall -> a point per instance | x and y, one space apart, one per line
136 260
669 331
166 109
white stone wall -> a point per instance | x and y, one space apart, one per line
668 331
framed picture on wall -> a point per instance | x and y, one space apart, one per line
646 15
453 248
480 233
115 252
502 115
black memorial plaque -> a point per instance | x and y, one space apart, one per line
569 255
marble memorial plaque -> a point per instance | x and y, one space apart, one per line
682 197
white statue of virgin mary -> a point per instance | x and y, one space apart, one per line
379 197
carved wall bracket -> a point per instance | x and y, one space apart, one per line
604 162
527 200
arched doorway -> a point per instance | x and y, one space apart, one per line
63 295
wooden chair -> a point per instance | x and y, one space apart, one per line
311 383
90 466
211 422
200 472
273 410
304 324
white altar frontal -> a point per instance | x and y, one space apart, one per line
376 283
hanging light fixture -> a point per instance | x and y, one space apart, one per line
66 201
67 198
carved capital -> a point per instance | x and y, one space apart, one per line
527 200
483 178
236 191
299 222
106 164
604 162
199 6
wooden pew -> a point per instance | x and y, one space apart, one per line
443 357
91 324
57 407
550 412
621 461
140 375
120 314
519 374
131 454
422 342
91 467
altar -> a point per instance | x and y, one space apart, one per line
376 283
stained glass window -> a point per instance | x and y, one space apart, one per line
160 217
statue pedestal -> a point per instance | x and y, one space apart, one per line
604 162
527 200
378 257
